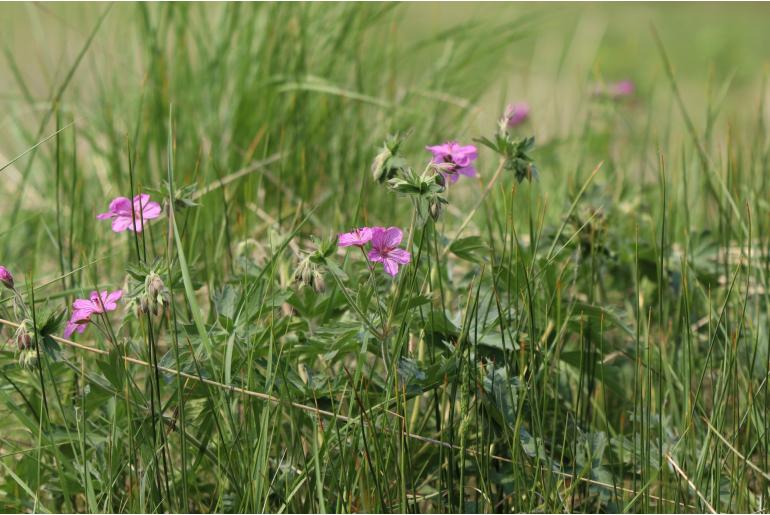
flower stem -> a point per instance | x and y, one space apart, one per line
476 207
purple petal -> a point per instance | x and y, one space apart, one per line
468 150
105 216
121 206
392 236
121 223
375 255
151 210
110 300
81 304
140 200
400 256
82 316
390 266
452 177
346 240
438 151
467 171
114 296
69 329
136 225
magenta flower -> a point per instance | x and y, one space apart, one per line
84 309
358 237
6 278
460 156
385 249
623 88
123 215
516 114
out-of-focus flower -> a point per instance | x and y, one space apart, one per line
84 309
122 212
623 88
358 237
6 278
385 249
515 114
459 156
615 90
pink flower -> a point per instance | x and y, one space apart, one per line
358 237
623 88
460 156
84 309
123 215
385 249
6 278
516 114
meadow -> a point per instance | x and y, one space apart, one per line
370 257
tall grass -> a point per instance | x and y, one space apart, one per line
591 340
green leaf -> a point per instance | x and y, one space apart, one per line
471 248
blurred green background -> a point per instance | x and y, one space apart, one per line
728 39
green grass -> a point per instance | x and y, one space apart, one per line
592 340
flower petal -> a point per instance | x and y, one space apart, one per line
105 216
82 316
140 200
137 225
121 223
69 329
114 296
392 236
375 255
452 177
390 266
73 326
468 150
400 256
150 210
439 151
467 171
121 206
360 236
81 304
110 300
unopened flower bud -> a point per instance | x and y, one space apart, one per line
154 285
435 208
23 336
6 278
303 274
143 306
308 274
387 163
156 296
